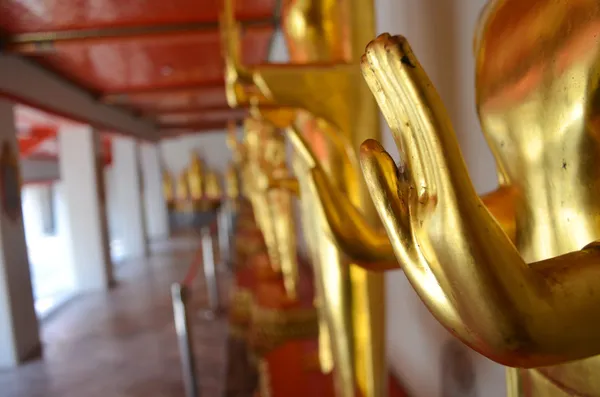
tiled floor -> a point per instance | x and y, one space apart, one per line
123 343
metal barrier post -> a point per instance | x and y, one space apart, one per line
210 275
179 296
224 233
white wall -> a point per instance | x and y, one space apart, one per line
63 231
279 52
441 34
212 147
39 170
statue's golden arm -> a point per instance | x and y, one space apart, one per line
317 88
454 253
348 227
500 203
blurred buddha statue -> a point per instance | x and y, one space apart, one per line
335 114
515 274
196 178
249 245
232 183
213 190
182 191
266 159
283 324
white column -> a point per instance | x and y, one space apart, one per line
84 203
37 209
32 212
128 195
157 215
63 231
19 336
46 197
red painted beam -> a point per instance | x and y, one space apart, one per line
37 135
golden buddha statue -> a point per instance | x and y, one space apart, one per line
516 274
182 191
196 178
283 326
265 149
212 187
337 115
232 183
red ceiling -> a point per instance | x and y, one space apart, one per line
27 16
179 99
150 62
149 56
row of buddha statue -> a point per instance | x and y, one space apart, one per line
197 188
512 274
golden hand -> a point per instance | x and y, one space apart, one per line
321 89
451 248
358 239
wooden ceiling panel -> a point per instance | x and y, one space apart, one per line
151 62
28 16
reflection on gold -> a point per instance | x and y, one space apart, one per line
531 302
335 114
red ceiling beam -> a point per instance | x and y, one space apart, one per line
122 97
44 42
39 89
37 135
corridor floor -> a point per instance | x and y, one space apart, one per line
123 343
